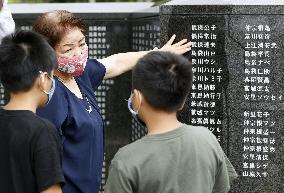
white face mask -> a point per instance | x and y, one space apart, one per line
7 24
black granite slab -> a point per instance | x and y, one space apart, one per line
250 53
222 9
196 108
270 102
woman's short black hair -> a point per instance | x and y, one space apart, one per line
22 56
164 79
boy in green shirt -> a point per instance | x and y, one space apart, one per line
173 157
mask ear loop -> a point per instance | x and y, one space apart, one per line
129 102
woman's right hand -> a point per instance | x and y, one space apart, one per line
180 47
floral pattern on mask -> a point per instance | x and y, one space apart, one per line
75 65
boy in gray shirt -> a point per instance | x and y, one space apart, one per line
173 157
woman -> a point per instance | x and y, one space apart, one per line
74 109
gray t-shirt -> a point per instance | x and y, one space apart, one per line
188 159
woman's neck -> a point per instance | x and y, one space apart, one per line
63 77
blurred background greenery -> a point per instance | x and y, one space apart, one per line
83 1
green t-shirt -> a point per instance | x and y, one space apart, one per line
188 159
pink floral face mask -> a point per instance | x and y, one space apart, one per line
75 65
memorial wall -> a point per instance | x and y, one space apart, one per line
237 93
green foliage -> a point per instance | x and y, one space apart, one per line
160 2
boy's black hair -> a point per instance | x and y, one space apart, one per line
164 79
22 56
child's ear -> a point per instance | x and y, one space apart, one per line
138 96
41 81
135 92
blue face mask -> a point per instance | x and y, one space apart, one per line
134 113
51 92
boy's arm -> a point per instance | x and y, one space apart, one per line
226 174
47 159
118 180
